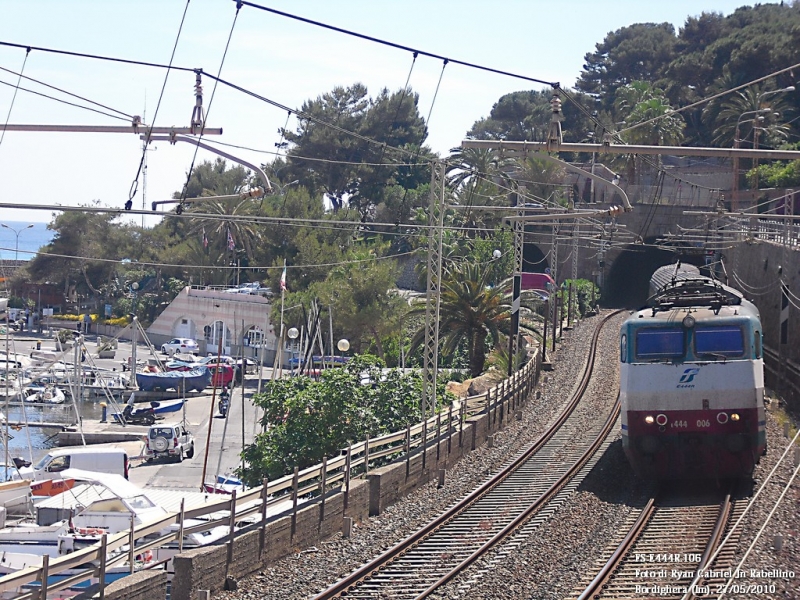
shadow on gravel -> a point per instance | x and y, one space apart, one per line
612 479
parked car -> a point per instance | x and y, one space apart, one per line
222 375
247 365
234 363
168 441
184 345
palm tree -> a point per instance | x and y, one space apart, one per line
649 118
469 312
763 114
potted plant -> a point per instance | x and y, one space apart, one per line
64 339
106 350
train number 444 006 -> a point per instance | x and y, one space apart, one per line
678 424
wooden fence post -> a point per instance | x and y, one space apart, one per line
322 481
347 477
449 427
462 410
45 576
424 442
295 483
408 449
438 434
262 542
181 518
231 533
366 455
102 576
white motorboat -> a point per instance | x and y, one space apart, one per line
48 394
105 504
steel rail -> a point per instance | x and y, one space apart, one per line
602 577
509 529
372 568
601 585
713 544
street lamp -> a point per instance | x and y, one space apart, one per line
293 334
16 233
343 345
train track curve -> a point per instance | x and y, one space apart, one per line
433 555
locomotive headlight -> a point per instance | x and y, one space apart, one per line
649 419
734 417
722 418
661 419
688 321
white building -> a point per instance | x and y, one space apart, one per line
240 321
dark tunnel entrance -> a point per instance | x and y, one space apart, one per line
629 277
533 259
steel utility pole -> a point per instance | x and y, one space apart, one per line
433 296
519 230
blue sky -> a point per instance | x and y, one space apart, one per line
279 58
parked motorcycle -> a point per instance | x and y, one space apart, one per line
140 416
224 402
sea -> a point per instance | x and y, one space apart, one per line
31 443
30 239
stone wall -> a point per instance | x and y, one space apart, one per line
144 585
207 568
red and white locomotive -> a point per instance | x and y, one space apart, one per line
692 380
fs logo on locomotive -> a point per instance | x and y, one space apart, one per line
687 378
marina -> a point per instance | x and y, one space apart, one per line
60 402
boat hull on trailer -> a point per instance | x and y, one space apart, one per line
196 379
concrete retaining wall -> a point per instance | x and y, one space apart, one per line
758 270
207 568
145 585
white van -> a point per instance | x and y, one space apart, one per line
98 460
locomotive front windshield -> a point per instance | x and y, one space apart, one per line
653 343
727 341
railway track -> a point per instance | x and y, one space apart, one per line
433 555
665 552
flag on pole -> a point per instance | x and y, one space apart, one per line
205 238
283 279
231 243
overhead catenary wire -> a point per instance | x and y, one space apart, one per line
63 91
14 97
563 91
135 184
715 96
61 101
215 267
314 158
395 45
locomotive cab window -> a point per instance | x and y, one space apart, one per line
655 344
623 348
757 343
719 341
